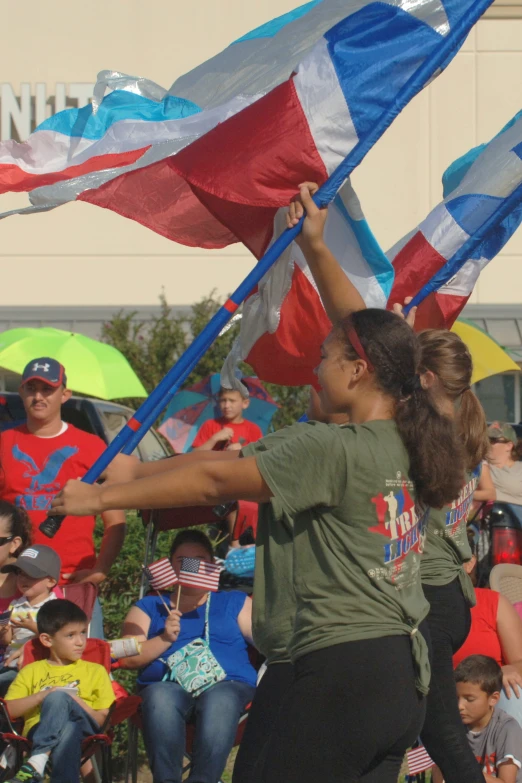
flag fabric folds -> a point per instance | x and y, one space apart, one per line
483 200
199 573
284 321
478 188
289 100
160 574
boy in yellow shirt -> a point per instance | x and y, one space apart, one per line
62 699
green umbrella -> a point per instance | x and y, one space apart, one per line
92 368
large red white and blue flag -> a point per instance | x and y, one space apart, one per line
286 102
217 159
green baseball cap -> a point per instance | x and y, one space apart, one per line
500 429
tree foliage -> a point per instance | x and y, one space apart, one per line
153 347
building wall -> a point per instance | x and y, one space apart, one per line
82 256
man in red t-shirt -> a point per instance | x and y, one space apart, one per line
231 430
36 461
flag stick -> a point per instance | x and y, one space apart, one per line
179 596
144 568
458 260
131 434
168 608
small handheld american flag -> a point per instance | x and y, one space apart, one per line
199 573
160 574
418 760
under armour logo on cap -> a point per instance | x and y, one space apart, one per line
45 369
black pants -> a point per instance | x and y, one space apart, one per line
352 711
444 734
270 694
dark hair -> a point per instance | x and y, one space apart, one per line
19 524
446 355
516 451
222 391
430 438
192 537
54 615
480 670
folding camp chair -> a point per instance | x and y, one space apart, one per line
83 594
16 746
135 724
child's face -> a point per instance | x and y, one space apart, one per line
232 405
474 703
69 642
33 587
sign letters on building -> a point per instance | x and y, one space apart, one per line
23 109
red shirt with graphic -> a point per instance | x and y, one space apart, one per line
244 433
34 469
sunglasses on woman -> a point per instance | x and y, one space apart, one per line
499 440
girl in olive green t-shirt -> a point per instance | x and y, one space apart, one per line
446 369
357 495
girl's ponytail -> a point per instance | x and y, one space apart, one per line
472 428
431 439
435 451
445 355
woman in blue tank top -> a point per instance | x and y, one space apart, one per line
223 617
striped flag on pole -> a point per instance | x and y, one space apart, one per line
160 574
419 760
440 262
199 573
281 105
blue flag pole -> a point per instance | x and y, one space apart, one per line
131 434
450 269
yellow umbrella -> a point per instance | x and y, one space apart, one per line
489 358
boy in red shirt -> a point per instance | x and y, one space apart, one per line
230 430
39 457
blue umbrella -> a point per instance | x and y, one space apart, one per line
192 407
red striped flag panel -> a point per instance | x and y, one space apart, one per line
199 573
161 574
419 760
